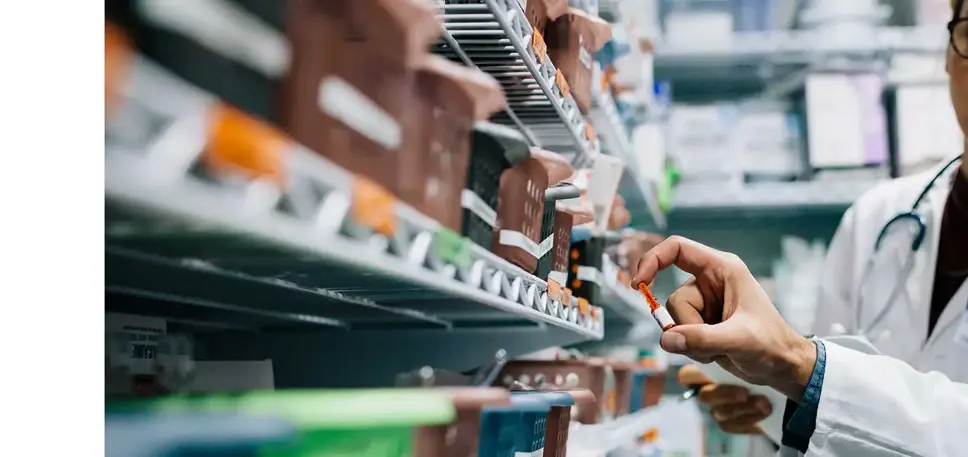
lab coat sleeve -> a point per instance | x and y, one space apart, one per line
874 405
837 279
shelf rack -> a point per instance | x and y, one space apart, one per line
495 36
615 141
748 63
292 254
800 46
798 195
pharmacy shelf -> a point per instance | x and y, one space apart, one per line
185 239
750 62
615 141
495 36
800 46
796 196
296 253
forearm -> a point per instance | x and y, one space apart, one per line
874 402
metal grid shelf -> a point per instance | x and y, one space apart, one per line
495 36
614 139
292 253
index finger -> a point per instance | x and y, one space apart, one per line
688 255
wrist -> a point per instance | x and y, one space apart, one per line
795 368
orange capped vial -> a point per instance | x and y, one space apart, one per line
659 313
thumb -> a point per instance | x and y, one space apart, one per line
698 339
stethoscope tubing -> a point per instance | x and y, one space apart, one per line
901 279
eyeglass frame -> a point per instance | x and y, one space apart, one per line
955 21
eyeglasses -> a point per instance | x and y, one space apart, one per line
958 36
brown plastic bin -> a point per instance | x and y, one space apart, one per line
566 217
460 438
559 169
541 12
588 374
654 387
453 97
557 421
572 42
351 90
519 211
623 387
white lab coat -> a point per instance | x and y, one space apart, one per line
913 400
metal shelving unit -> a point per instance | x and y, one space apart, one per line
495 36
278 256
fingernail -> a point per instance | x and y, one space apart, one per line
673 342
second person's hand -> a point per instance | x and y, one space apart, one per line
732 407
724 316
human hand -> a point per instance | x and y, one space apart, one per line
724 316
732 407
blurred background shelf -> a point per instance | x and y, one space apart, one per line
769 196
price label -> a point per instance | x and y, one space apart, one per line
453 248
562 84
590 133
539 46
239 143
554 290
117 60
373 206
566 296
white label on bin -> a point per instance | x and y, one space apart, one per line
225 28
518 240
344 102
537 453
474 203
590 274
546 245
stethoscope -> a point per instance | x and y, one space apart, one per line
918 227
